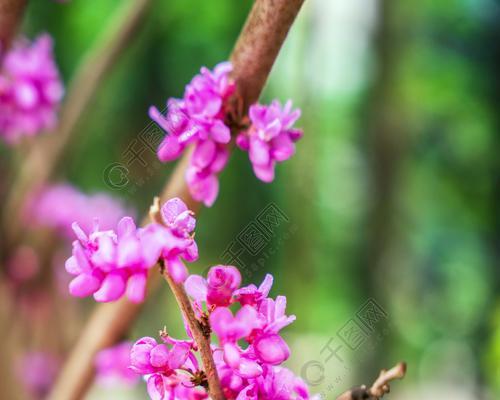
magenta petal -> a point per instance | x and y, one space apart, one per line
202 189
158 117
178 355
153 239
248 319
295 134
220 132
265 286
104 257
220 160
81 258
136 287
220 320
80 234
126 226
112 288
177 270
156 387
129 252
196 287
185 222
249 369
204 153
170 149
232 355
72 267
271 349
282 148
191 253
273 129
172 209
264 172
242 141
259 152
140 355
84 285
159 356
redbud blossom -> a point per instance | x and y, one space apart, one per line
30 89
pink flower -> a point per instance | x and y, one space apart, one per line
231 328
37 371
165 364
107 263
276 383
198 119
271 349
219 287
58 206
112 365
23 265
30 89
270 138
252 295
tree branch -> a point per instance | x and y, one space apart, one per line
379 387
44 156
259 40
259 44
11 12
202 341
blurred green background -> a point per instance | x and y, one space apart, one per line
392 195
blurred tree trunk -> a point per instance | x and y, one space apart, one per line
385 147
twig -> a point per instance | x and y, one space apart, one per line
11 12
379 387
103 329
44 156
202 341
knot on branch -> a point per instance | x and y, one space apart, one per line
379 388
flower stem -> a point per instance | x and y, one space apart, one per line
202 340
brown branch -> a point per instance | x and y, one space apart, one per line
259 44
202 341
109 322
379 388
11 12
45 154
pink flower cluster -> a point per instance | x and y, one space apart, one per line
270 138
112 366
58 206
162 364
247 371
200 119
109 264
30 89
